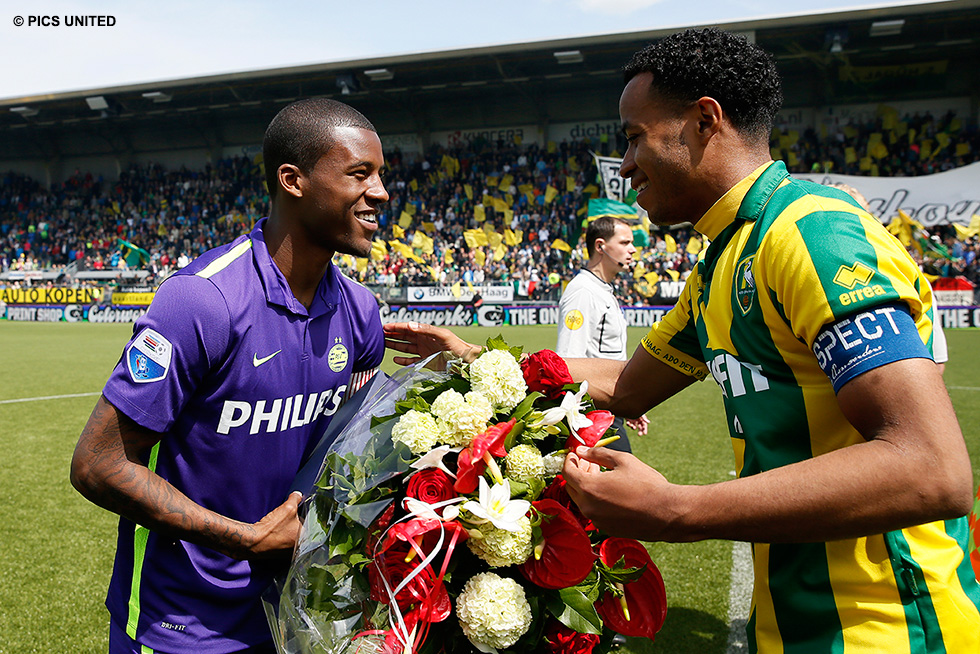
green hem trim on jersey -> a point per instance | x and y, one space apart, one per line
959 530
140 536
922 623
225 259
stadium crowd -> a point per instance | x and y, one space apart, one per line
522 197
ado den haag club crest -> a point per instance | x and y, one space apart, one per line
745 284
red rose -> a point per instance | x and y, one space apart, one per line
589 436
546 372
559 639
566 556
645 598
430 485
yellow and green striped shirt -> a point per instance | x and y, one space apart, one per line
787 258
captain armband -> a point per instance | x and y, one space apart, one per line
867 340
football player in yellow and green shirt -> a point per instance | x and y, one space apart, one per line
853 476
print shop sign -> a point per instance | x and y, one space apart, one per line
949 197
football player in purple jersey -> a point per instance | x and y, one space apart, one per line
232 374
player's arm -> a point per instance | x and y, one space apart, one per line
913 468
629 388
109 468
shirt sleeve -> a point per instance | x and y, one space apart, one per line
575 323
836 261
182 337
674 340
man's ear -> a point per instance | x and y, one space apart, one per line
710 115
291 180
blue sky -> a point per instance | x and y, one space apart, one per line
172 39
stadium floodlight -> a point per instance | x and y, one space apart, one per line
97 103
158 96
887 27
379 74
24 111
569 57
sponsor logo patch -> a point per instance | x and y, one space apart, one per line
574 319
851 276
148 357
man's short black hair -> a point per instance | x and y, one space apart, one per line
602 227
303 132
695 63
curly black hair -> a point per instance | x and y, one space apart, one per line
303 132
695 63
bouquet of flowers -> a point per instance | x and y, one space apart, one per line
440 523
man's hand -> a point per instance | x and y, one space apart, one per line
639 425
628 499
425 340
278 531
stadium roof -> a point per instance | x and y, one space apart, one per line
543 82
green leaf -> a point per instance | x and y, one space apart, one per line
511 439
497 343
574 610
526 406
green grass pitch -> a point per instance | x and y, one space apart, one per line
56 550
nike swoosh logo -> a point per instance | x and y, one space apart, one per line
256 361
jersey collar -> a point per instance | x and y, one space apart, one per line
276 287
743 201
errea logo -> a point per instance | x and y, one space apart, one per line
851 276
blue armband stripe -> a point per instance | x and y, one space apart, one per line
864 341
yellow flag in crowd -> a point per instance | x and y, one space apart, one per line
428 228
417 240
410 209
508 216
550 193
694 245
491 181
480 257
652 278
499 252
428 246
559 244
470 237
469 285
591 189
506 181
361 264
639 270
569 183
479 213
499 205
510 238
434 273
447 256
494 239
398 231
405 220
456 289
573 164
378 250
468 190
673 274
671 243
414 185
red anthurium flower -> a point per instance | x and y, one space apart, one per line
424 593
642 609
565 556
546 372
559 639
472 461
601 420
556 491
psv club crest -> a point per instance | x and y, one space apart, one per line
745 284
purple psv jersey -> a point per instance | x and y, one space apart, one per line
239 378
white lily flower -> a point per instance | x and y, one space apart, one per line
496 507
569 410
427 511
433 459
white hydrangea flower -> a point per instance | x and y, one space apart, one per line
493 611
417 430
497 375
552 463
500 547
524 463
461 417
